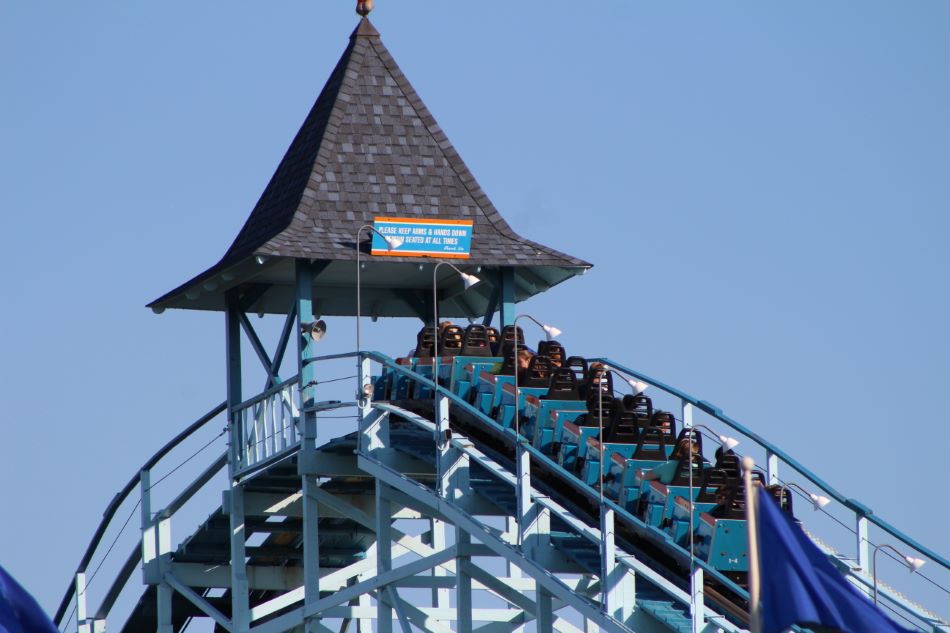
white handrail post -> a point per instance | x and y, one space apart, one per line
81 625
864 551
163 543
608 559
697 600
149 552
771 467
442 432
523 492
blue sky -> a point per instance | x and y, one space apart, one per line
763 190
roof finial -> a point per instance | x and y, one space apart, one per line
363 7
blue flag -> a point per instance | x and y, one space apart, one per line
19 612
799 585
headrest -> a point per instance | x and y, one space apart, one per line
601 406
713 479
652 445
681 478
729 464
782 496
720 453
730 502
494 340
563 385
475 342
598 377
623 426
537 374
510 361
508 335
554 351
665 421
641 407
693 434
578 365
424 343
451 338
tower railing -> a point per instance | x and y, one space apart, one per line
266 426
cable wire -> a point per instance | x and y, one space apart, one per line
125 524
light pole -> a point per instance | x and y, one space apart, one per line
728 443
550 332
638 387
392 243
469 281
913 564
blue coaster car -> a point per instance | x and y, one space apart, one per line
661 501
657 498
546 436
625 476
539 424
505 412
487 387
723 542
572 437
534 380
401 386
591 458
464 378
423 367
678 527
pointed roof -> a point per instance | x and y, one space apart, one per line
369 147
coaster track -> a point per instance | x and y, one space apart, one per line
315 535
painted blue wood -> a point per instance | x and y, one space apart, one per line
507 296
661 538
856 506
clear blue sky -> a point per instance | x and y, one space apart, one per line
763 189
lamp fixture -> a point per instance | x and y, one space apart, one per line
393 241
912 563
819 501
638 386
728 443
469 280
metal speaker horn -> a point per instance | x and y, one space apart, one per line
317 330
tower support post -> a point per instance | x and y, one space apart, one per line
507 296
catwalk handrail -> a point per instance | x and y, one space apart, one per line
853 504
117 500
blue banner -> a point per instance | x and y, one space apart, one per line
799 585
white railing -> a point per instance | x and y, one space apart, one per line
266 426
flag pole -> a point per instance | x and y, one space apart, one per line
755 622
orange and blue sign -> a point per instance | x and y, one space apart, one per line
423 237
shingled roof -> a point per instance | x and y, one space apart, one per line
369 147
